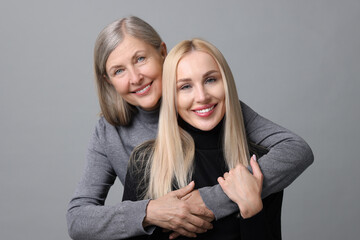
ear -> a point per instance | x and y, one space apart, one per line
163 50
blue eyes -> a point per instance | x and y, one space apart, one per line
119 71
210 80
186 86
207 81
140 59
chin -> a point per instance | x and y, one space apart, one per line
203 127
150 105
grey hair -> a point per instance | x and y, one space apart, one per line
113 107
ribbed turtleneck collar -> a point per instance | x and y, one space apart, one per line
151 117
204 139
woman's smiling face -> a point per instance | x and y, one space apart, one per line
134 68
200 90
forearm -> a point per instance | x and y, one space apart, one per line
106 222
283 164
217 201
289 155
87 217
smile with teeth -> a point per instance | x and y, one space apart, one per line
143 90
205 110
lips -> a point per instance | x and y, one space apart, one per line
205 111
143 90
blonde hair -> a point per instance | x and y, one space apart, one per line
172 155
113 107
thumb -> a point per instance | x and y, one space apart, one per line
256 168
184 190
221 181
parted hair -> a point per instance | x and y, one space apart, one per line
170 160
113 107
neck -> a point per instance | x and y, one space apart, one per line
204 139
150 117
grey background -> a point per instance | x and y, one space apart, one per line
295 62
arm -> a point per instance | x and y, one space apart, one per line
169 211
288 156
87 217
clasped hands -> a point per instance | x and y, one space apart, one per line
184 212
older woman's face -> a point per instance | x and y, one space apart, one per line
200 91
134 68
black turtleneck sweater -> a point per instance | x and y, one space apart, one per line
209 164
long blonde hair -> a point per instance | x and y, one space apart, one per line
171 160
113 107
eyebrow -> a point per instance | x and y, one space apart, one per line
204 75
210 72
114 67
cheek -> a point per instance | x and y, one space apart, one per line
221 93
121 86
182 103
154 70
222 97
158 85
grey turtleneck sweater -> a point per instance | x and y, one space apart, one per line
108 155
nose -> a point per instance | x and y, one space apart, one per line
201 95
135 76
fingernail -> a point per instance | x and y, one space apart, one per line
254 157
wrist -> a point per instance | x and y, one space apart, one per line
249 211
147 219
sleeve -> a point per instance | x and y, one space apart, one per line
87 217
288 156
134 187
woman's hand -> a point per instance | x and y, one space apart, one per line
194 198
181 216
244 188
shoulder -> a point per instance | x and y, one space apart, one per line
248 113
102 126
103 134
244 107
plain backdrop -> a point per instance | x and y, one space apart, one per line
295 62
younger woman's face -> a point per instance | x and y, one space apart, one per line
134 68
200 90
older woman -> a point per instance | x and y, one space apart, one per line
128 60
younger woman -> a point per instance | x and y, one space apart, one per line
201 135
